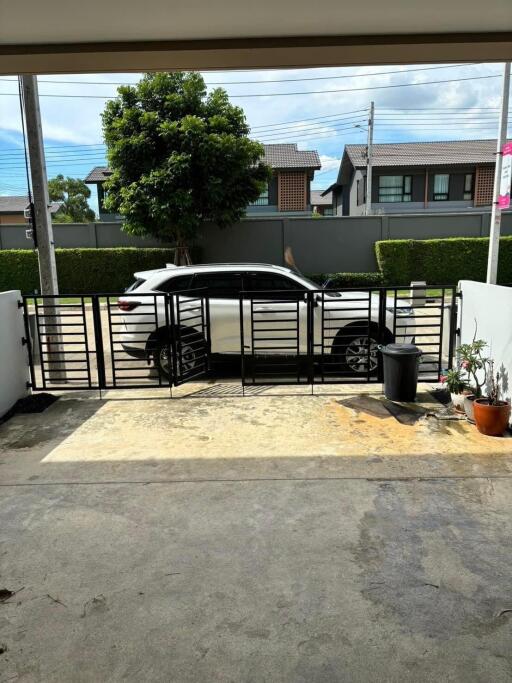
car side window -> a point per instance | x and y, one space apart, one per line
175 284
219 285
267 282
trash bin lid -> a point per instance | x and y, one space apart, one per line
401 350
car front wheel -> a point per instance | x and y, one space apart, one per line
361 355
357 354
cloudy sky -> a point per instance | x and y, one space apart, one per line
321 109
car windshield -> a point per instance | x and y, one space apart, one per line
325 286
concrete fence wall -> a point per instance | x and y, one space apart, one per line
334 244
14 370
326 244
73 235
487 309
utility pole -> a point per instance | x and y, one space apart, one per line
494 237
43 228
43 220
369 159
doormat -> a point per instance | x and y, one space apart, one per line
366 404
406 414
383 408
35 403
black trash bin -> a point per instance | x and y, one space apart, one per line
401 364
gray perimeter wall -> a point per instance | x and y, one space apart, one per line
330 244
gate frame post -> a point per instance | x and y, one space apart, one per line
98 342
310 329
242 341
456 296
23 304
172 337
206 301
382 326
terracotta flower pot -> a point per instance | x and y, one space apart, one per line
491 420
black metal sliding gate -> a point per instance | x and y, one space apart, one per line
135 340
332 336
117 341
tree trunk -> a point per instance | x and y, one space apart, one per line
182 254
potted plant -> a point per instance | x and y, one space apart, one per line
492 415
457 386
473 362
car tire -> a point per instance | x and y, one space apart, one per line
350 353
192 354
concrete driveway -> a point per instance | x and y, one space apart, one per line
276 537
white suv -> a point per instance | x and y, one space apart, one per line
349 318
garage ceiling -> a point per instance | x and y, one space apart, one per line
109 35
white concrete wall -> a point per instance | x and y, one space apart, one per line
489 308
14 370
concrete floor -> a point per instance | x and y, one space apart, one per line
276 537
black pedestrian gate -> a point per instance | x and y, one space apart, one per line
333 336
117 341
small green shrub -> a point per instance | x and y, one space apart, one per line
348 279
441 261
81 271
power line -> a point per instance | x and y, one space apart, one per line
304 92
273 80
346 114
462 111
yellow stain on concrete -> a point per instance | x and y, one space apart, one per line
269 425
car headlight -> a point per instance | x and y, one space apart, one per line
401 312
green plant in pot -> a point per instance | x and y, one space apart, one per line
457 386
492 414
473 362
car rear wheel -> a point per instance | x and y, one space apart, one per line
191 354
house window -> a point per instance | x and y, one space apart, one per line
468 186
262 199
395 188
441 187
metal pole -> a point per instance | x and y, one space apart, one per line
43 226
494 237
369 160
43 221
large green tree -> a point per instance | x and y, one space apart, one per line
73 193
179 156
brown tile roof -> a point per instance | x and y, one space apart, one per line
288 156
425 153
18 204
98 174
276 156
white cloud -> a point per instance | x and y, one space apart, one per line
76 121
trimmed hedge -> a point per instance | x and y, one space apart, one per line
81 271
441 261
348 279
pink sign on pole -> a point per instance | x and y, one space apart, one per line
506 176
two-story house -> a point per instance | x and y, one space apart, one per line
416 177
288 191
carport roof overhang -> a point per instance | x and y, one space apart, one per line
59 36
